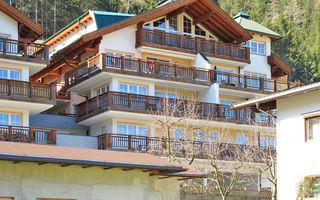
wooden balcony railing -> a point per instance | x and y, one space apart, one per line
156 105
27 135
174 72
27 51
27 91
62 94
145 37
178 147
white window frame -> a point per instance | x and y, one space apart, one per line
249 45
138 88
137 126
9 73
98 91
10 117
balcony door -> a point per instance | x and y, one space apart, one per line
137 139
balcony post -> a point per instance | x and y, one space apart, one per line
275 85
31 90
25 49
87 107
175 70
247 53
147 103
215 47
122 63
238 115
129 142
53 137
9 87
10 138
109 98
162 38
261 84
139 65
193 73
129 100
147 143
231 50
107 141
220 114
97 102
245 81
4 46
30 135
180 41
288 83
228 79
198 47
52 92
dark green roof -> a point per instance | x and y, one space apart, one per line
244 20
205 57
104 19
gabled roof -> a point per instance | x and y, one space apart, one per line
244 20
12 12
102 19
207 13
269 101
90 157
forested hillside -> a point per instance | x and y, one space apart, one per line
298 21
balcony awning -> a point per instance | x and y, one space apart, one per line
21 152
278 67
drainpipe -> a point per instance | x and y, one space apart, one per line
259 109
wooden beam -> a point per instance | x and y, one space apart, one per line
54 73
176 12
106 168
127 169
139 25
93 50
202 18
165 177
87 166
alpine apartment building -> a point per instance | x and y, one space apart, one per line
116 73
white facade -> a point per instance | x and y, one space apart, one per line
30 181
296 157
11 26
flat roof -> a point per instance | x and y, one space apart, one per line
23 152
276 96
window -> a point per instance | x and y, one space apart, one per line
166 95
267 142
9 74
160 24
255 47
242 139
133 89
131 129
10 119
102 90
178 134
228 114
187 25
213 136
312 128
173 24
199 31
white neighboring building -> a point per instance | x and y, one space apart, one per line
298 136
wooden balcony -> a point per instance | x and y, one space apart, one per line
27 135
156 105
27 91
24 51
172 72
180 148
186 44
62 94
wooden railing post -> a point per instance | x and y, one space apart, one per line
53 136
198 47
228 74
107 141
175 70
53 92
31 90
129 100
10 138
162 38
245 81
129 142
109 98
122 63
180 41
139 65
9 87
31 135
4 46
275 85
25 50
193 74
220 113
261 83
147 143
